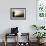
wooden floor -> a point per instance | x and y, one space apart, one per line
13 44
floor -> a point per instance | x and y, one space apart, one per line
13 44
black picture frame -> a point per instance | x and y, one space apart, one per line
18 13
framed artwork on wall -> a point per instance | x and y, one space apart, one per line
41 12
17 13
41 8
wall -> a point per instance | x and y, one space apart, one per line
24 25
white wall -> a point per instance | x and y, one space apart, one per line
24 25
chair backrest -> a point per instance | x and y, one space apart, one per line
14 30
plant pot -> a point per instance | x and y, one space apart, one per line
40 41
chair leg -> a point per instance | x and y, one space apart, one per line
5 39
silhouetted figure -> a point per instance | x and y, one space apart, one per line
13 14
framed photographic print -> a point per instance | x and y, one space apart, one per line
17 13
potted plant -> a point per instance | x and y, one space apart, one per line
38 27
35 26
39 35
